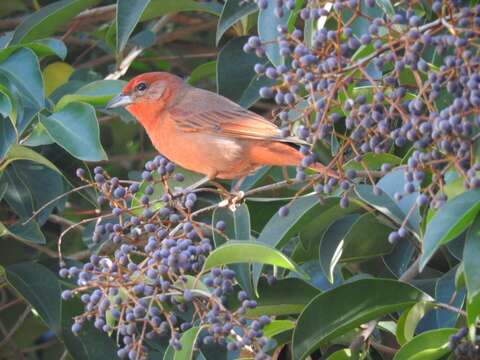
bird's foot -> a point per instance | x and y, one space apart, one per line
233 200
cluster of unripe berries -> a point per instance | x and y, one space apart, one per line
153 288
400 82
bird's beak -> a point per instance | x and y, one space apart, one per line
119 101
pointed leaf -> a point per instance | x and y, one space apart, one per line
267 31
233 11
48 19
343 308
23 70
128 15
449 222
75 128
235 252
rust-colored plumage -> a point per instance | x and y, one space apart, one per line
203 131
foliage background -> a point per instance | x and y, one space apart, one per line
60 62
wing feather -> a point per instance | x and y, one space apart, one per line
203 111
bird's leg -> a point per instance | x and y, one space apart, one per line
285 175
235 196
192 187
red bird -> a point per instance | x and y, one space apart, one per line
206 132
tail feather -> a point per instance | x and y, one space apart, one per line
281 154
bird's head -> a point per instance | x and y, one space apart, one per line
145 89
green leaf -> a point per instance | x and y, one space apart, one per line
408 321
159 8
331 244
237 228
40 288
278 299
233 11
279 229
367 238
449 222
204 71
430 345
236 78
343 354
267 31
96 93
395 181
48 19
23 70
128 15
471 254
277 327
188 341
55 75
373 161
19 152
75 128
384 203
235 252
343 308
42 47
30 186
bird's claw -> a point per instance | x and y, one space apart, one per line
233 201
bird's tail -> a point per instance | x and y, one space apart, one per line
281 154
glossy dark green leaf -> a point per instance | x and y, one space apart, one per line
368 237
41 47
48 19
383 203
283 297
233 11
343 308
237 228
204 71
96 93
399 259
29 232
128 15
267 31
23 70
75 128
8 136
394 182
430 345
331 244
236 78
448 222
279 229
471 256
159 8
40 288
19 152
31 185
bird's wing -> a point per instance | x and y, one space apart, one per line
204 111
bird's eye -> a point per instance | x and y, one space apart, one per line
142 86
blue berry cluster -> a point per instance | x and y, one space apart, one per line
153 286
407 83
